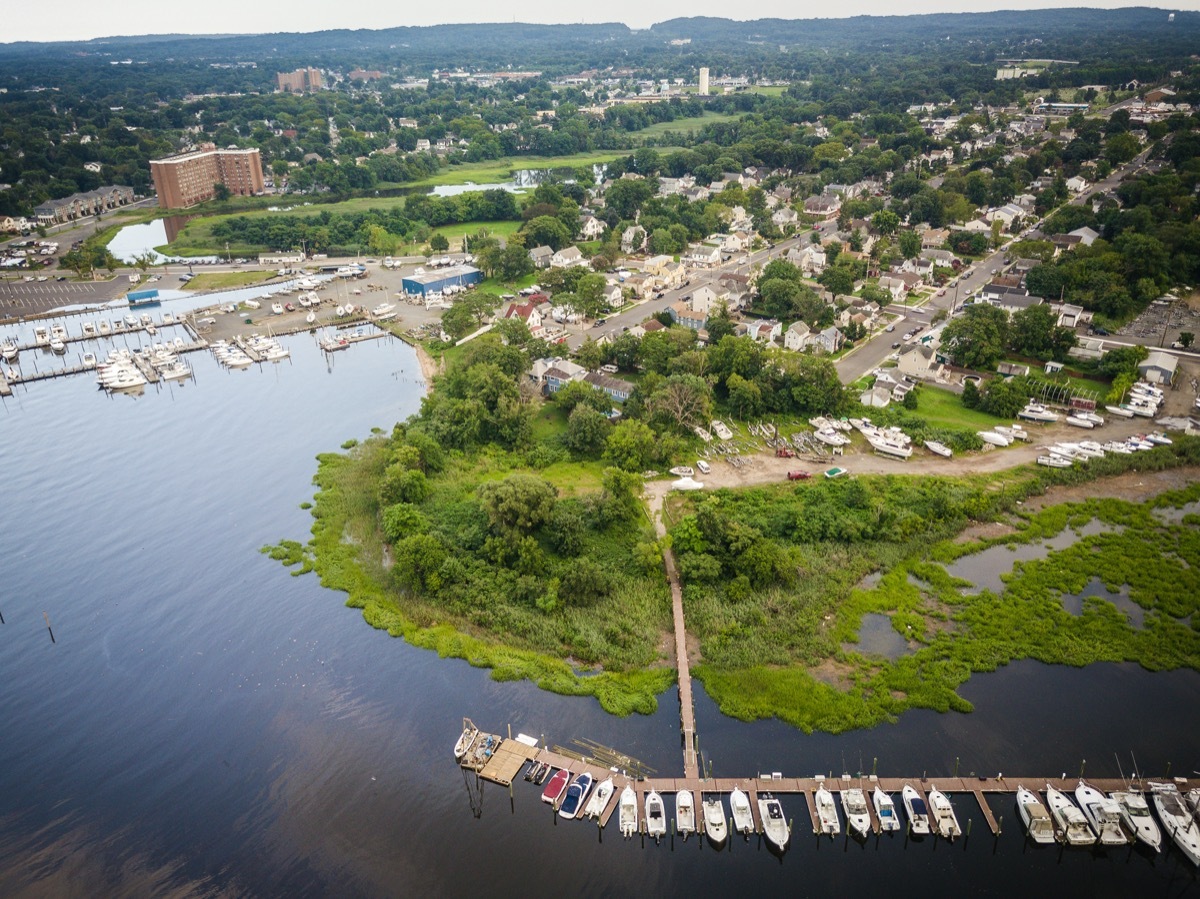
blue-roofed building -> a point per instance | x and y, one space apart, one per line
437 281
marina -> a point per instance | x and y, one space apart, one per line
812 811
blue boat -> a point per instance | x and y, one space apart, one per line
576 793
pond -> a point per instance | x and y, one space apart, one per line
133 241
985 569
1095 589
877 637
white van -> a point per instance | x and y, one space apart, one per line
703 467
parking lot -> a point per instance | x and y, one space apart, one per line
1163 321
21 297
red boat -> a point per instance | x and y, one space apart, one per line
556 786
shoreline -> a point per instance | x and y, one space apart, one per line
429 368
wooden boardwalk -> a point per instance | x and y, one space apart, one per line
687 710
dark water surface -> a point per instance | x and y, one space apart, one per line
207 724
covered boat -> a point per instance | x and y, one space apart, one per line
656 818
914 806
556 786
576 794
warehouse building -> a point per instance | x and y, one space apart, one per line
446 280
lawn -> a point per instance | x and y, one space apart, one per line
942 408
688 124
227 280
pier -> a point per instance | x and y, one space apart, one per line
506 762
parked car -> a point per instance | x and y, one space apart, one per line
785 453
798 475
703 467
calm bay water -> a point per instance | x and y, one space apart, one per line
207 724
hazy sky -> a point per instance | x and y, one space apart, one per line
83 19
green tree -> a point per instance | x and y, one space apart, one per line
682 400
978 338
885 221
546 231
439 243
587 431
631 445
1004 397
910 244
970 395
838 280
576 393
220 192
518 504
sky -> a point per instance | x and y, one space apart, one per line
85 19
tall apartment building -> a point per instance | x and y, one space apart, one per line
300 81
191 178
703 92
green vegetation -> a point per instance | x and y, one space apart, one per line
685 125
227 280
786 650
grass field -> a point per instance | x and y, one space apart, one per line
228 280
942 408
690 124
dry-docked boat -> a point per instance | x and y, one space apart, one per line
940 448
1037 412
995 438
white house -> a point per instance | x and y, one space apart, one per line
633 239
567 257
1086 235
916 360
763 330
704 254
541 256
1077 184
796 337
704 299
614 296
785 217
591 228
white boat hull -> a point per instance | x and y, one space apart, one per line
714 820
743 817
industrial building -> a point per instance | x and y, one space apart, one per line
190 178
456 276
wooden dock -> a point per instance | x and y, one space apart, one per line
511 753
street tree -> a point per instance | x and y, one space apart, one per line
978 338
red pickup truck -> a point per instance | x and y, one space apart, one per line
798 476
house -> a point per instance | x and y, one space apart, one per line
942 258
557 369
528 313
876 397
672 275
825 206
765 330
1070 315
735 242
633 239
915 360
591 228
1158 367
1006 214
811 259
977 226
785 217
796 337
656 265
567 257
616 388
704 299
1065 242
613 296
14 224
704 254
682 314
640 284
541 256
934 237
1010 299
1086 235
828 341
1077 185
895 286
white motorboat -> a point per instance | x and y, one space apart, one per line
1053 461
1097 420
889 446
775 826
914 806
88 329
1076 422
382 309
719 428
1070 451
89 360
885 810
627 816
858 817
1116 446
682 471
104 327
1093 448
1159 438
57 346
465 739
1037 412
599 801
831 437
656 818
277 309
703 434
743 817
174 371
685 813
131 320
1071 822
311 317
1177 820
714 820
994 437
827 816
1015 431
1119 411
940 448
943 814
1145 410
304 301
1102 813
1033 813
41 335
9 350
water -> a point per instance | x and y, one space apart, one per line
208 724
138 240
877 637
